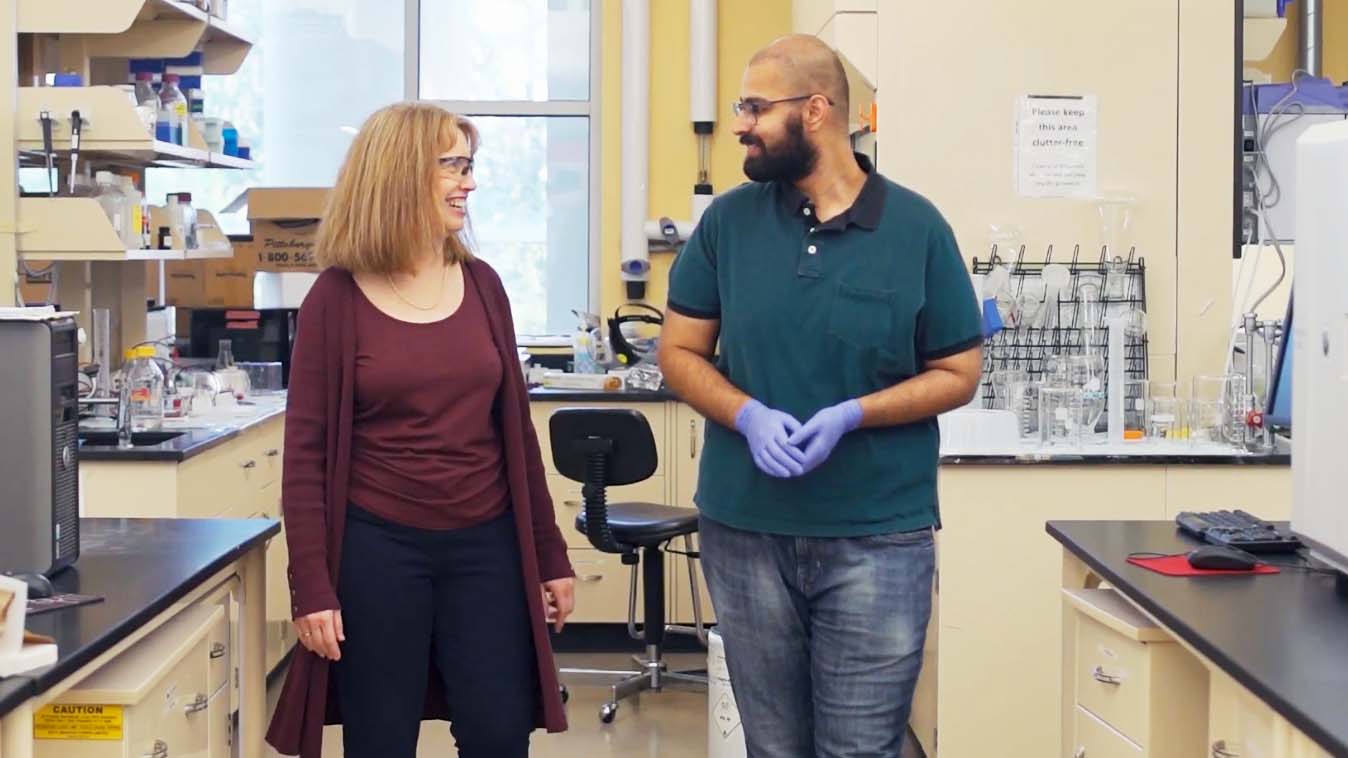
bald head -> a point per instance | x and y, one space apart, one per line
807 66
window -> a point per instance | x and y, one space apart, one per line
316 71
525 71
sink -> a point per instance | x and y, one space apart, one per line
138 439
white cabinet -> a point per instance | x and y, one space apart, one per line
1135 691
164 696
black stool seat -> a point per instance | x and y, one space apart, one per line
646 524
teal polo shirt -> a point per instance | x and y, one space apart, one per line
813 314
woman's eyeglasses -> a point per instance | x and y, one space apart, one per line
461 165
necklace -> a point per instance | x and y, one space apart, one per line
440 296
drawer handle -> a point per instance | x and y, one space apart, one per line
1100 676
160 750
592 578
272 453
218 650
571 503
197 706
1219 750
250 463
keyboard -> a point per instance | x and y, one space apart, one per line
1237 529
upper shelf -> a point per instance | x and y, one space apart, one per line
76 229
113 133
139 29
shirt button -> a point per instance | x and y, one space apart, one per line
807 211
811 249
812 230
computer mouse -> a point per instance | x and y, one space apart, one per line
1221 557
39 586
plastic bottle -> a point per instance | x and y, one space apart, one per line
189 220
173 111
147 100
145 384
113 202
135 205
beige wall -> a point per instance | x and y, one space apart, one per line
1161 70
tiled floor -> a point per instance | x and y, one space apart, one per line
668 724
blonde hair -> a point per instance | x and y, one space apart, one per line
383 214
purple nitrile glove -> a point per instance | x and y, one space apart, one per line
818 436
767 430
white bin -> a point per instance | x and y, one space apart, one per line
725 737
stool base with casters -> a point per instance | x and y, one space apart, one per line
605 447
652 672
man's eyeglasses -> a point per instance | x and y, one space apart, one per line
461 165
753 107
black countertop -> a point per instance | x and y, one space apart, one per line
1280 635
549 394
1145 459
191 442
140 567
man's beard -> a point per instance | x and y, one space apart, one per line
792 160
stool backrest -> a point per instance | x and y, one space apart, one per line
601 448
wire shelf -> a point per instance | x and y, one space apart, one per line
1061 308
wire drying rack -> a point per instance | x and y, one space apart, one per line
1043 321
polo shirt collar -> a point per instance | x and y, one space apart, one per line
865 211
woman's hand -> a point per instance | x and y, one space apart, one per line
320 632
559 599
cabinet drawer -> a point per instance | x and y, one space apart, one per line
217 481
162 685
1093 738
567 502
601 587
1113 677
219 651
654 413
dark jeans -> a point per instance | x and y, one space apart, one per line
823 636
408 592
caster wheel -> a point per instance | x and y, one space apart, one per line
607 712
566 694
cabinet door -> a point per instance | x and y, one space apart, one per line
1303 747
689 433
1241 725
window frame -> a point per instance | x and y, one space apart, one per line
590 108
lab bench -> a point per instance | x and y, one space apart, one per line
1162 666
169 662
227 473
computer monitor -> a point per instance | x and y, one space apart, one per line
1319 345
1278 404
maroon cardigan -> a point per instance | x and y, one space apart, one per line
314 490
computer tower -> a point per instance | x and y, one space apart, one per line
39 446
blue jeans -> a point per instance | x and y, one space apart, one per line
823 636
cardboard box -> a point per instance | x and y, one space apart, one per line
184 284
284 223
228 283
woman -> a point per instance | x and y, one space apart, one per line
425 561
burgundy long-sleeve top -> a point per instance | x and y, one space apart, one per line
425 450
315 489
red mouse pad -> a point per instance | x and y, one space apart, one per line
1178 565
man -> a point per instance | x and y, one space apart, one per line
841 301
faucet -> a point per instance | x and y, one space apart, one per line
123 403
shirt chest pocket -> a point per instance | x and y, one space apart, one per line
862 317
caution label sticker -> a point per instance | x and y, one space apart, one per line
78 722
